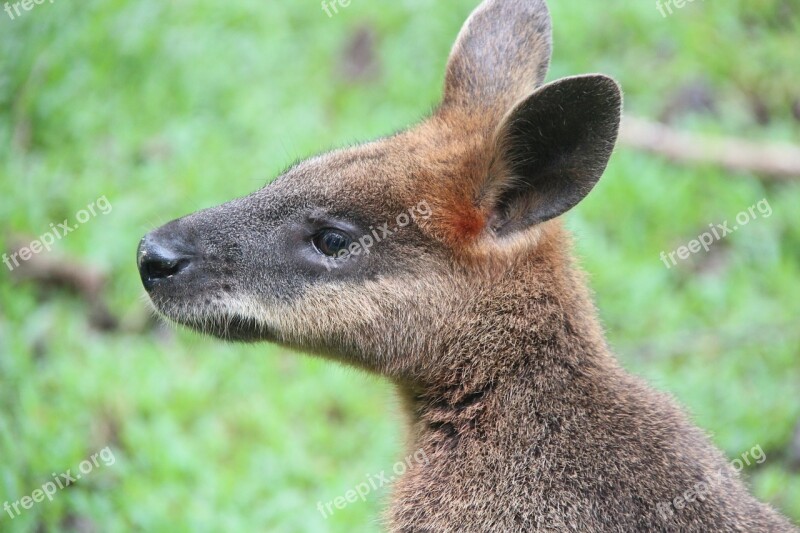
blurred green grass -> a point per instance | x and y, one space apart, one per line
167 107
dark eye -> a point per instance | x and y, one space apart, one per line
331 242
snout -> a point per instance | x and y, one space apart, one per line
189 268
163 256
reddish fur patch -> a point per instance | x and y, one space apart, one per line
452 155
455 220
464 222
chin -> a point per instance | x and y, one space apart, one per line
231 328
214 319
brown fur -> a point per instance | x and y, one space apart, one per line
476 312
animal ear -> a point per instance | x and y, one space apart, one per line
550 151
501 55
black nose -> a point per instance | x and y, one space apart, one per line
160 258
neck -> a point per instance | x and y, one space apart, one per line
532 422
548 369
542 347
525 363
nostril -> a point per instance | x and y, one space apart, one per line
157 262
159 267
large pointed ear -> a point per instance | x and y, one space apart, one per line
501 55
550 151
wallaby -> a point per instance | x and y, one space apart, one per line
435 257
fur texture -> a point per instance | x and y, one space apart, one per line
475 310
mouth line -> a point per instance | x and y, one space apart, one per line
214 319
230 327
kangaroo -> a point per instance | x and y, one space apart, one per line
436 258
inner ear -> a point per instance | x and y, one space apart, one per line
551 150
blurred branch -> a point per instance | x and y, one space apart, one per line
773 161
713 340
81 279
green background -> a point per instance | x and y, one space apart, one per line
168 107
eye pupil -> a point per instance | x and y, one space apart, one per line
331 242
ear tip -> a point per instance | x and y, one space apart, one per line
603 82
612 84
595 87
607 88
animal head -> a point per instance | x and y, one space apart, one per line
381 255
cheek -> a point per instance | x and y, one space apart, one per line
330 313
378 325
